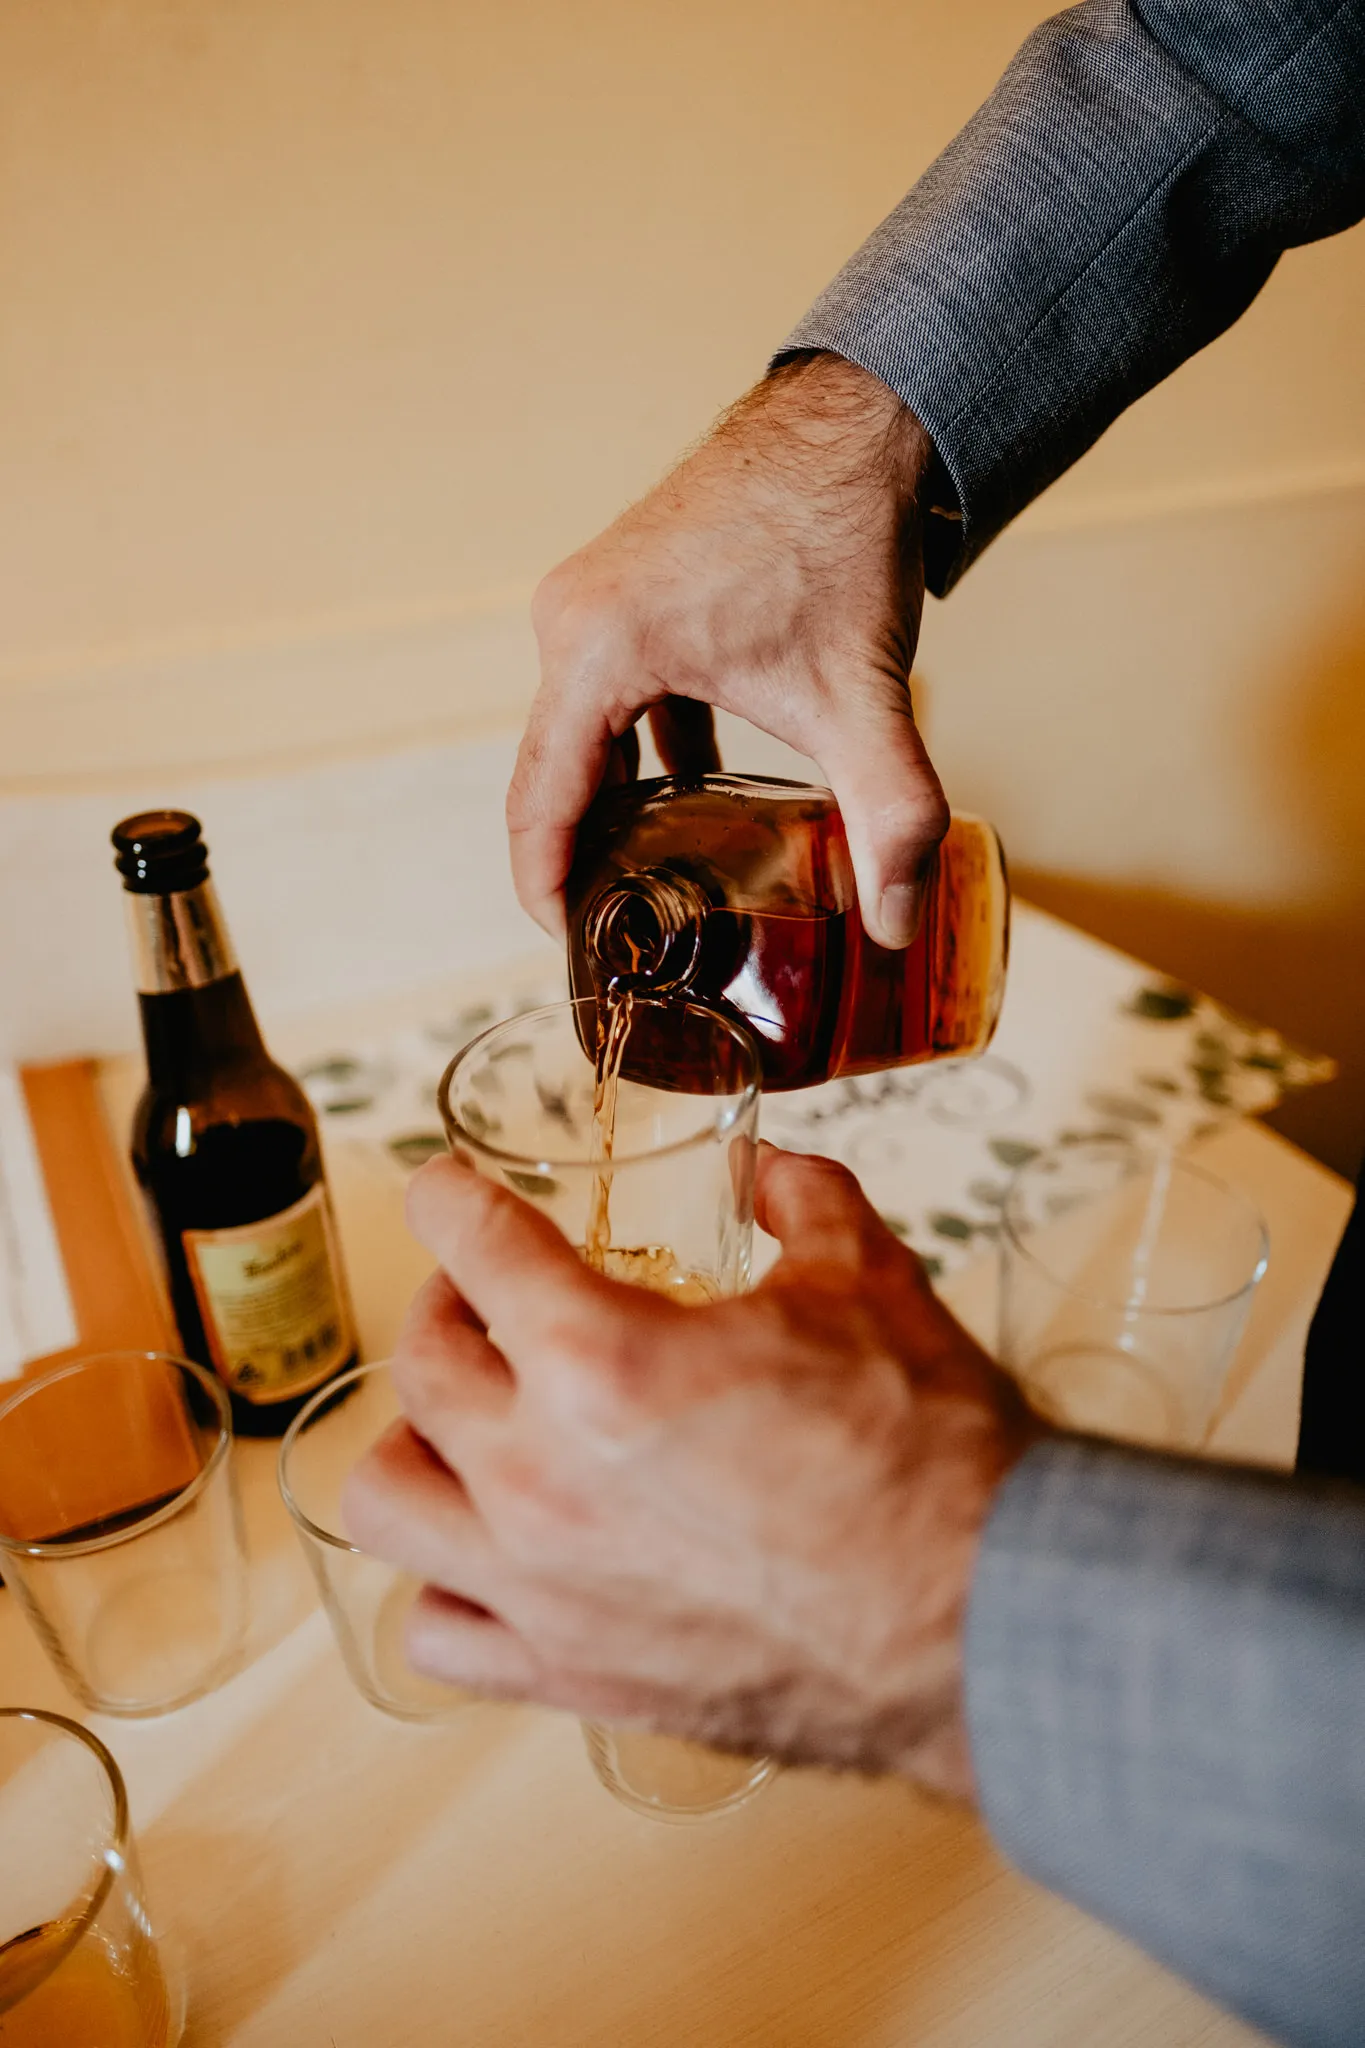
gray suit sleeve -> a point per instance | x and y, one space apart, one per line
1119 200
1166 1702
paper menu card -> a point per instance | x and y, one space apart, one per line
37 1314
77 1277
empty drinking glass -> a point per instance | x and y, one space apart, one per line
120 1529
1126 1277
366 1601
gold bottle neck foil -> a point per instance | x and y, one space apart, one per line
178 941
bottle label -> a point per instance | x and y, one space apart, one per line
273 1300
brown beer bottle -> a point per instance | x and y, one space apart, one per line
225 1146
738 892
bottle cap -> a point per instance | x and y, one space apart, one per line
160 853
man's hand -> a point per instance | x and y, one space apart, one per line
776 573
753 1523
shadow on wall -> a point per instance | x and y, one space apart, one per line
1307 976
1298 965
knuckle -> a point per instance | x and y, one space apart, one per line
521 810
575 621
589 1341
488 1209
831 1185
601 1384
530 792
424 1310
533 1510
495 1219
618 1372
853 1232
420 1372
553 1625
511 1495
551 594
935 816
783 1317
919 819
833 1173
366 1507
423 1200
468 1220
607 1353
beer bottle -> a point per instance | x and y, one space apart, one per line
225 1146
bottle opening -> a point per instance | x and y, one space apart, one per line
160 853
645 931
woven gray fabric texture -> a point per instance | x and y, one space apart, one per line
1165 1670
1118 201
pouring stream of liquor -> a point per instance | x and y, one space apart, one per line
614 1011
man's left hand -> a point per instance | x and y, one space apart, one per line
753 1524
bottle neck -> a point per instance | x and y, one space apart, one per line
197 1018
197 1036
178 941
645 931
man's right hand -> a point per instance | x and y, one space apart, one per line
777 573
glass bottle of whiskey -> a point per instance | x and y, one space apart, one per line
225 1147
738 891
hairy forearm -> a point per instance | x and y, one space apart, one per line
816 417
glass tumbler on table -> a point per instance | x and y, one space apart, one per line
79 1966
120 1529
366 1601
518 1106
1126 1278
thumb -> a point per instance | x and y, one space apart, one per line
816 1209
894 809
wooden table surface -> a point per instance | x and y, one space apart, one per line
335 1879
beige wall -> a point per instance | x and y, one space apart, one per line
326 326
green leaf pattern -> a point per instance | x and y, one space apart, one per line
1193 1064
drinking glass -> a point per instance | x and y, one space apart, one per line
78 1959
366 1602
1126 1277
120 1529
517 1105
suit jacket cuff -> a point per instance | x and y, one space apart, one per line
1165 1662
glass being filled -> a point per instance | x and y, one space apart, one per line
653 1181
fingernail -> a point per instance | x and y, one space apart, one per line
898 913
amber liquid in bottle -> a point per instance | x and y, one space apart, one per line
739 892
225 1147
